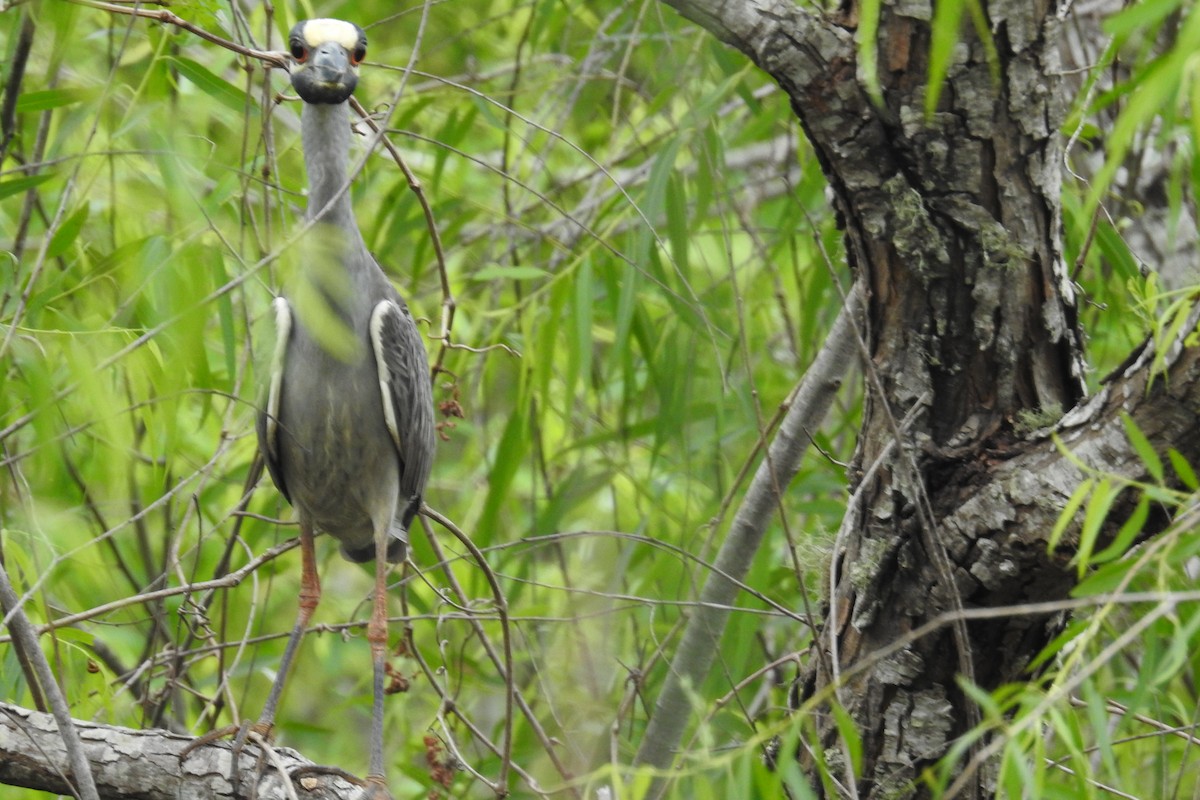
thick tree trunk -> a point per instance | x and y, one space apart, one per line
952 224
991 513
953 221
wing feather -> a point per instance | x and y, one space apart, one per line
407 396
268 417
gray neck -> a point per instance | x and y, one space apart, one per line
325 130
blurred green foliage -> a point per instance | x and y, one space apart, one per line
643 261
637 265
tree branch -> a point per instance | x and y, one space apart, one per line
813 61
148 764
745 24
1020 502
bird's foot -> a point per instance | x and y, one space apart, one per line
207 739
263 734
375 788
264 730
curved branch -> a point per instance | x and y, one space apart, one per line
747 24
813 61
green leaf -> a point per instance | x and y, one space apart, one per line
678 230
215 87
1154 90
582 340
985 700
1178 651
1060 642
1127 534
74 636
1187 476
654 197
868 48
1099 723
18 185
513 273
1116 251
510 455
1176 317
67 233
849 733
487 109
321 282
732 64
627 291
32 102
225 315
1098 506
1143 448
1144 14
947 18
1068 512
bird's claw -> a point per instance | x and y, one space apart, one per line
207 739
263 735
375 788
264 730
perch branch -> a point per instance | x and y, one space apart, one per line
147 764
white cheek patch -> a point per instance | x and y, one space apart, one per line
320 31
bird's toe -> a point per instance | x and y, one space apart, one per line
375 788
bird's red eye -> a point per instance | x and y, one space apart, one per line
358 55
299 51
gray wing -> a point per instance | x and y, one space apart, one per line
267 423
407 395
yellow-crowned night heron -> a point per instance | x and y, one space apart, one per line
348 438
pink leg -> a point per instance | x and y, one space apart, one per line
310 595
377 635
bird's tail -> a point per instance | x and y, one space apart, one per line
397 549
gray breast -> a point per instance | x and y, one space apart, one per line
338 461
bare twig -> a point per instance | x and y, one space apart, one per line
272 58
502 611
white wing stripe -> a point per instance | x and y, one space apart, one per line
283 330
382 309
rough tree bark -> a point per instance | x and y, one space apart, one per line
952 223
148 764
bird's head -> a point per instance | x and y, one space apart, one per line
326 53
